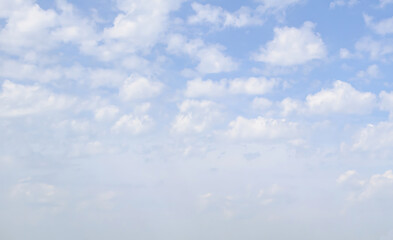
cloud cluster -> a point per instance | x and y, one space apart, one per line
221 18
292 46
377 186
137 87
211 58
19 100
262 129
382 27
341 99
195 116
209 88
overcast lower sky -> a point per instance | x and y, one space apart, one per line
196 120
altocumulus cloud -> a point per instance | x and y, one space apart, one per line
146 119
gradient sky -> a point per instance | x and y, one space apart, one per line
191 120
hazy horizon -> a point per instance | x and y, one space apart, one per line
190 120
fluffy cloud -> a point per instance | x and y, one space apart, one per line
105 77
137 87
133 124
8 7
19 70
213 60
377 49
371 72
345 176
220 18
26 27
342 98
106 113
261 128
72 28
27 24
195 116
260 103
209 88
206 88
289 106
345 53
382 27
292 46
386 102
252 86
136 29
19 100
245 16
377 186
374 137
210 57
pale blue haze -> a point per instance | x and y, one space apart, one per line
186 120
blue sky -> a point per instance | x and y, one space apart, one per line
176 119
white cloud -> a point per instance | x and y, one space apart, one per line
139 26
106 77
260 103
252 86
26 27
378 185
345 53
345 176
178 44
8 7
289 106
374 138
19 70
19 100
209 88
340 3
261 128
106 113
371 72
27 24
221 18
133 124
136 63
342 98
386 102
43 194
382 27
292 46
213 60
137 87
73 28
74 125
377 49
195 116
210 57
135 30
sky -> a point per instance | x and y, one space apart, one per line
176 119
